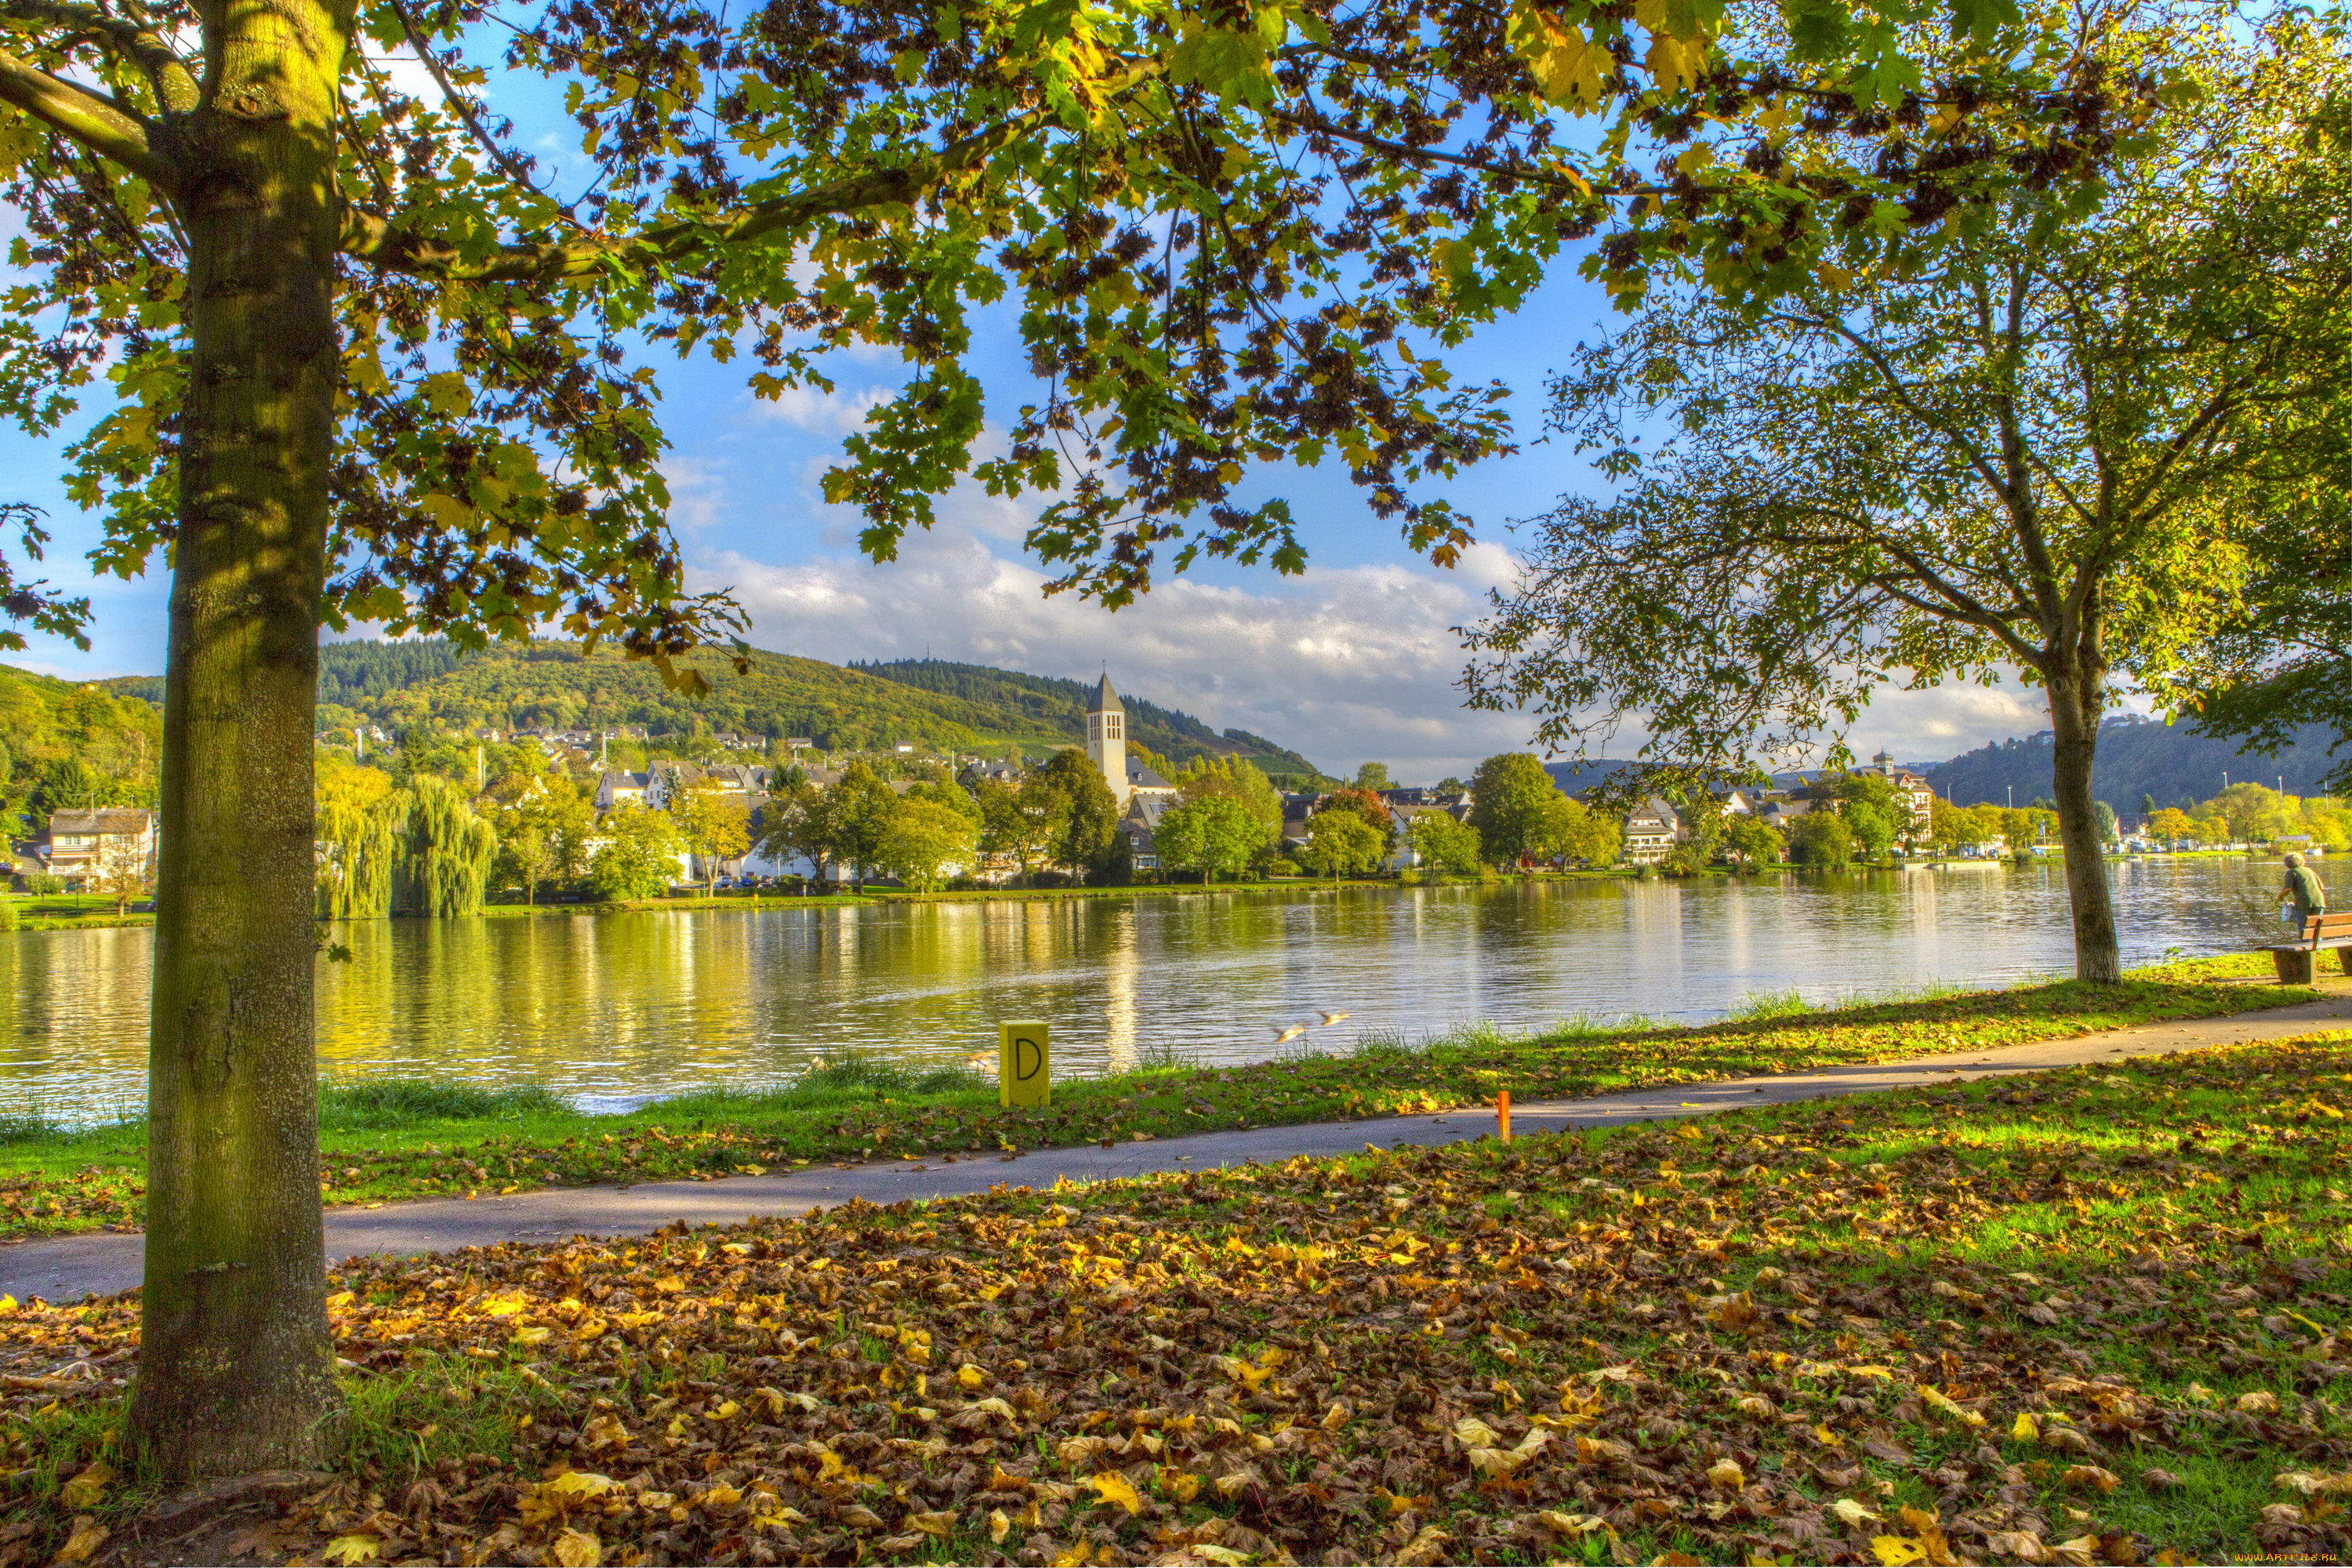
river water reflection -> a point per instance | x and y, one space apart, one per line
609 1008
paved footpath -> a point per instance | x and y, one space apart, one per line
64 1267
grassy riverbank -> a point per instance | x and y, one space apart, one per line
391 1140
70 912
2091 1316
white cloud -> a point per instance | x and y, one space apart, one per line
1344 664
698 493
834 413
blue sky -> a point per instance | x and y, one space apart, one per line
1354 660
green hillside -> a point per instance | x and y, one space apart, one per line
1053 703
554 685
68 744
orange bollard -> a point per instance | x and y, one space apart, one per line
1503 1116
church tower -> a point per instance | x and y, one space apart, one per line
1106 739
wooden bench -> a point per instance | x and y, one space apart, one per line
2298 961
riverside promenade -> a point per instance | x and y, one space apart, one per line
64 1267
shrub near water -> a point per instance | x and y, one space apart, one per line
2093 1316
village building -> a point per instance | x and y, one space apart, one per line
82 846
1914 794
1652 830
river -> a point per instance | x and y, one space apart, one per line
608 1009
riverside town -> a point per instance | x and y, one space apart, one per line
1072 784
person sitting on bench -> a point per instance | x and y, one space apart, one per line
2303 893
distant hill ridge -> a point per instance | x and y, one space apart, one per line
1050 699
929 703
2137 757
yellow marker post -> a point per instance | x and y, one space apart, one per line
1025 1064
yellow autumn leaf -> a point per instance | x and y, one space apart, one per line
1501 1461
577 1549
2025 1430
1852 1512
1244 1372
1942 1402
576 1483
999 1526
1112 1487
2097 1477
971 1376
353 1548
1473 1433
1675 63
86 1536
942 1523
84 1490
1894 1551
1182 1485
533 1334
1567 65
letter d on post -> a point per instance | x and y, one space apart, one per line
1025 1064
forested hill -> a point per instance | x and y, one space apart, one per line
1053 702
554 685
63 743
2137 758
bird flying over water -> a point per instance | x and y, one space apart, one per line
1330 1018
1282 1037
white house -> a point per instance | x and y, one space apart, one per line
613 787
1651 829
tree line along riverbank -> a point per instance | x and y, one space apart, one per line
386 1140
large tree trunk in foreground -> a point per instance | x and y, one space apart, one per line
236 1368
2076 709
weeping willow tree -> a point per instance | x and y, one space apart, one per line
446 850
358 827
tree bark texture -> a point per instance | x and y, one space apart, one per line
237 1367
2076 706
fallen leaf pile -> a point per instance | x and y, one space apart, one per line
652 1145
2062 1319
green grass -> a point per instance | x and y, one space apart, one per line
2151 1260
69 911
385 1141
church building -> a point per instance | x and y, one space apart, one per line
1129 780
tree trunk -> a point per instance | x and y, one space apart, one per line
2076 709
237 1367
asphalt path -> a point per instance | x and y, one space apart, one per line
64 1267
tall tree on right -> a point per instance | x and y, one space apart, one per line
2027 447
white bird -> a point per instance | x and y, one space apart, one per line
1282 1036
1330 1018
